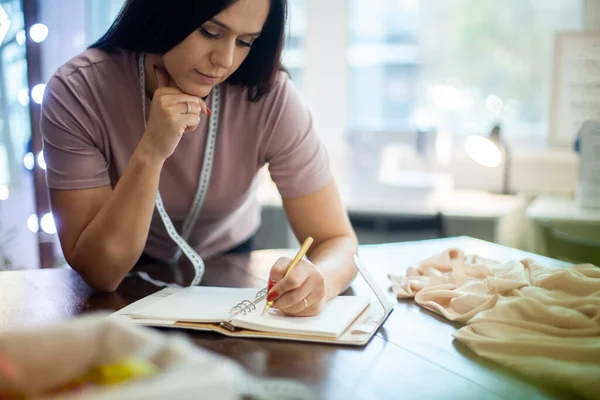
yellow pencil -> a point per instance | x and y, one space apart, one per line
295 261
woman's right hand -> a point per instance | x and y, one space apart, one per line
168 119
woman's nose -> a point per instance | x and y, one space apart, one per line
223 54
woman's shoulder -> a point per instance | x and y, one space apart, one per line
281 111
268 107
91 81
95 67
239 94
89 84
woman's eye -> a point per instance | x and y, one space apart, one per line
208 34
245 44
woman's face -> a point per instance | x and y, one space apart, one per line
210 54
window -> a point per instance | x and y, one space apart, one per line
100 15
294 55
18 241
458 65
14 97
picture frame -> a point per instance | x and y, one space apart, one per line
575 95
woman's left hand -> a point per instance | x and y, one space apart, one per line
302 293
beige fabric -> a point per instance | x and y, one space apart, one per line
542 322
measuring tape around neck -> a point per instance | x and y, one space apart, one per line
200 196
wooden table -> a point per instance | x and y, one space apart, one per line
412 356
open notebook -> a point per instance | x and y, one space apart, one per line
237 312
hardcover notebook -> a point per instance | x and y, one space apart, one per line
237 312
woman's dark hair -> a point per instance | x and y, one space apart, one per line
156 26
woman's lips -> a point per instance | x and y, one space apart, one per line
207 79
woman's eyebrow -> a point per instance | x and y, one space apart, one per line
222 25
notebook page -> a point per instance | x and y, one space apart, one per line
124 314
332 322
202 304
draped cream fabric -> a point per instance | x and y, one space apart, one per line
542 322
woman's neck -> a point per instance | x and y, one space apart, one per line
152 60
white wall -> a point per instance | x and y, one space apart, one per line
325 82
592 14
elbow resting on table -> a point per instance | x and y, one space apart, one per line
99 283
105 269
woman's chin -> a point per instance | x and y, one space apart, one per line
197 90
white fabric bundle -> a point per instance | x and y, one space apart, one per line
49 356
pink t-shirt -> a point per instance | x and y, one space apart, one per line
92 121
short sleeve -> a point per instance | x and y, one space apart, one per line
297 157
70 136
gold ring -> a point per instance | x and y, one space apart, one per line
189 108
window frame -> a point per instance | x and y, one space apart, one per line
325 79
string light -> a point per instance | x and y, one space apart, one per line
29 161
47 224
33 223
21 37
37 93
41 161
4 192
38 32
23 97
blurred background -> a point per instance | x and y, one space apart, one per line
438 117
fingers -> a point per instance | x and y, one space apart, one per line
294 297
301 293
286 283
170 95
180 100
194 108
278 269
173 106
190 122
303 298
293 288
305 308
163 79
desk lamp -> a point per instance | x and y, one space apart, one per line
491 152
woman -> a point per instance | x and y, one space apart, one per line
168 62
